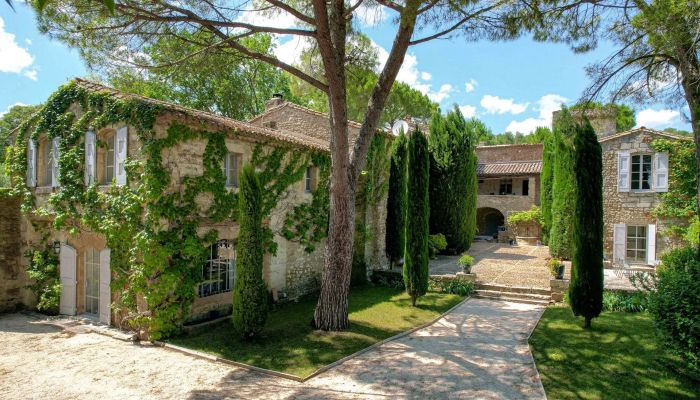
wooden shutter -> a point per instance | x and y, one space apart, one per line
661 172
623 171
619 243
90 163
54 162
31 163
105 291
68 280
120 155
651 244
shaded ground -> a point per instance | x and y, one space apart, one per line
618 358
477 351
501 264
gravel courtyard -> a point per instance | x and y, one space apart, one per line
479 350
501 264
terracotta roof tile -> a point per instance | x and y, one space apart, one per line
509 168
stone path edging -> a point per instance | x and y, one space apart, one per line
532 355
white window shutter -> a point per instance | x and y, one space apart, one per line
54 162
661 172
623 171
619 244
105 291
31 163
120 156
89 157
69 281
651 244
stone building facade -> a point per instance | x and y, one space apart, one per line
85 258
508 181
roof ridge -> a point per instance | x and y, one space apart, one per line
287 103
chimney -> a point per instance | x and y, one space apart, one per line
603 121
276 100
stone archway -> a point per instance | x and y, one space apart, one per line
488 220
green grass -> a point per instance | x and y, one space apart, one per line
618 359
289 344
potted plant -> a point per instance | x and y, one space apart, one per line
556 268
466 261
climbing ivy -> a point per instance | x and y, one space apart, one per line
153 231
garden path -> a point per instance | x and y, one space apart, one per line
479 350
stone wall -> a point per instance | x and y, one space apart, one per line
509 152
603 121
13 276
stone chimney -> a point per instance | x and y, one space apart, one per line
276 100
604 121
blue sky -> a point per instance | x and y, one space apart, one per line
509 85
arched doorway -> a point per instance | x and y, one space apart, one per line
489 220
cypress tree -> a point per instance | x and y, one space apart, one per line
415 268
564 188
453 179
586 288
396 201
546 181
249 290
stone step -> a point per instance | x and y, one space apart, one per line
515 295
513 299
513 289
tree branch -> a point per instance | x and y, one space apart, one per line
298 14
461 22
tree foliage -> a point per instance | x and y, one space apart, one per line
564 188
586 287
249 289
11 120
397 200
415 268
453 178
547 182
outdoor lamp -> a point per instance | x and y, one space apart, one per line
57 247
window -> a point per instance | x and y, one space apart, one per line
108 175
641 172
308 179
506 186
231 167
526 187
219 270
47 157
636 243
92 281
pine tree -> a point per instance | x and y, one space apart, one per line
453 179
564 188
415 269
586 288
397 200
546 182
249 290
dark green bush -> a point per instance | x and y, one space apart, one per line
43 270
396 200
436 244
563 208
546 182
249 290
674 302
392 279
622 301
453 286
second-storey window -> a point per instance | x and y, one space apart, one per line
506 186
641 172
47 156
309 180
109 160
231 168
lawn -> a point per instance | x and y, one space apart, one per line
289 344
618 359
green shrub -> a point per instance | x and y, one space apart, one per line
452 286
556 267
249 291
44 271
392 279
621 301
466 261
546 182
674 302
436 244
563 206
397 200
415 267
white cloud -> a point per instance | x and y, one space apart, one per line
13 59
468 111
28 42
545 105
371 15
10 106
441 94
426 76
31 74
657 119
471 85
290 51
497 105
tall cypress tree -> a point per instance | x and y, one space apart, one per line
586 288
415 268
453 179
249 290
564 188
396 201
546 181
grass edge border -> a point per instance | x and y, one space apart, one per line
210 357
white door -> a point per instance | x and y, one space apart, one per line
68 280
105 292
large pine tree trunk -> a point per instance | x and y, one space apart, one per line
691 87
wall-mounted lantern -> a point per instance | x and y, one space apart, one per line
57 247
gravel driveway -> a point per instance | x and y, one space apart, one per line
479 350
